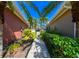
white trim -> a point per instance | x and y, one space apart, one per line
74 29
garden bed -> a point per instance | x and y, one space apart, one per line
60 46
21 47
18 51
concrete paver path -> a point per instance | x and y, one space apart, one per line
38 50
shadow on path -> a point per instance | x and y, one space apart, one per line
38 50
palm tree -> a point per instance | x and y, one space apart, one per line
50 7
43 21
31 22
30 19
35 23
10 5
37 10
46 10
42 15
31 4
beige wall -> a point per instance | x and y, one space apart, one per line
64 25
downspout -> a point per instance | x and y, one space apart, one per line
74 20
74 29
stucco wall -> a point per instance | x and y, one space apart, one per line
12 27
64 25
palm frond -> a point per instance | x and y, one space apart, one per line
25 9
50 7
10 5
34 7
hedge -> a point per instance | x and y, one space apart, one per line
61 46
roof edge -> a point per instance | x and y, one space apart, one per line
60 13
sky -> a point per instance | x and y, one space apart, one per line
41 5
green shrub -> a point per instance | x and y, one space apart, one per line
20 42
33 35
13 47
28 34
77 39
60 46
26 38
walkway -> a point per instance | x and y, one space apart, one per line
38 50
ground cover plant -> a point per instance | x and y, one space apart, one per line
27 36
61 46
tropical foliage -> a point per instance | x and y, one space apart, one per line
50 7
35 23
60 46
28 34
10 5
43 19
46 11
13 47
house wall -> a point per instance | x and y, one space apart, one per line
64 25
12 27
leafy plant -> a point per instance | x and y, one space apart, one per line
77 39
61 46
33 35
28 34
13 47
26 38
